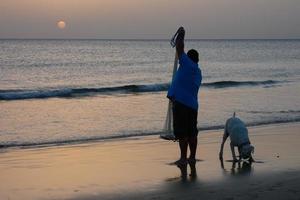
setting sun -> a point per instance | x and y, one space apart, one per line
61 24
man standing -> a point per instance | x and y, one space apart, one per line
183 93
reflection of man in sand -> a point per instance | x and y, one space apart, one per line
183 93
183 171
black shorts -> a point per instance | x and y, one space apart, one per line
184 121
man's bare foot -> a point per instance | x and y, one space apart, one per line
181 162
192 161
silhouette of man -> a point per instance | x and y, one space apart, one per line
183 93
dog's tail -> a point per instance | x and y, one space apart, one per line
233 115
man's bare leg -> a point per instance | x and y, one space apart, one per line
183 145
193 141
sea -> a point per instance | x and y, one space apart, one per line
55 92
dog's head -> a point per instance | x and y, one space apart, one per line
246 151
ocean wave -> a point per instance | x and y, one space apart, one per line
4 145
124 89
275 112
79 92
225 84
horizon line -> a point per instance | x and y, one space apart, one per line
148 39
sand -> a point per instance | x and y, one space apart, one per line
141 168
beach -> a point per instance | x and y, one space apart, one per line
80 119
141 168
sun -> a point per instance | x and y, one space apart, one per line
61 24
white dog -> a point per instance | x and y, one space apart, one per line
238 133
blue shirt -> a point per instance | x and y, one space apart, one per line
186 83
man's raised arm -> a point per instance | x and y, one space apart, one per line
180 41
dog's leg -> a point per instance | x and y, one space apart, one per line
240 157
233 152
225 136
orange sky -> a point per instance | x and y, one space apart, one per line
152 19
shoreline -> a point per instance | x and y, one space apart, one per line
142 168
122 137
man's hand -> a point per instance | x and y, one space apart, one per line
180 41
180 30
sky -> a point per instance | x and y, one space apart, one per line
150 19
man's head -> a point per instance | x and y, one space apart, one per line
193 55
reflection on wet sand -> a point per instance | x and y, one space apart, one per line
184 172
238 168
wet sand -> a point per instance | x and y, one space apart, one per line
141 168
